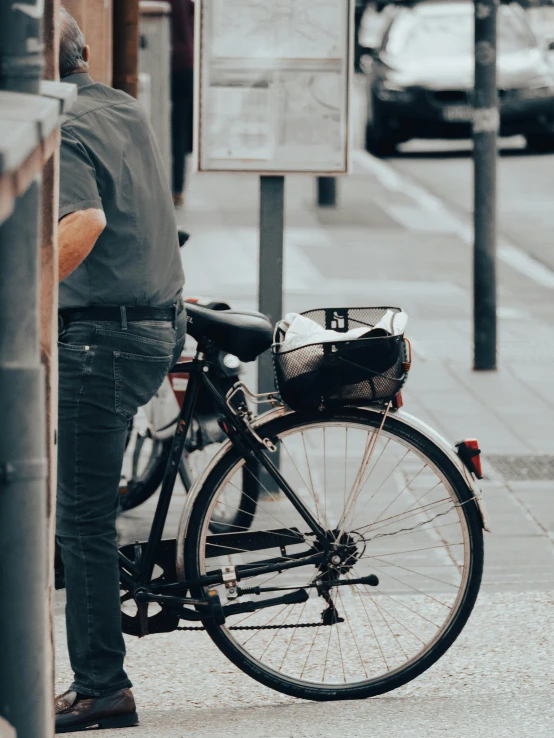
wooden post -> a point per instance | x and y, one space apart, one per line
125 46
49 312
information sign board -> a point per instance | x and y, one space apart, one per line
272 88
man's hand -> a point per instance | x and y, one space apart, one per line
77 234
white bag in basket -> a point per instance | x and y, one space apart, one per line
302 331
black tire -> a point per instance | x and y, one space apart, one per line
464 601
220 521
140 488
378 141
542 143
206 440
377 144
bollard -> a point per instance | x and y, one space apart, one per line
326 192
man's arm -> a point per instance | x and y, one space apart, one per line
81 217
77 234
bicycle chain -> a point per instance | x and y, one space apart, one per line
259 627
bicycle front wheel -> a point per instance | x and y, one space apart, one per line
394 506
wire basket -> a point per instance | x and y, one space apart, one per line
364 371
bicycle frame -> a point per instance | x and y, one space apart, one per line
171 592
137 574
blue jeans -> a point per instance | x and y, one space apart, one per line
106 372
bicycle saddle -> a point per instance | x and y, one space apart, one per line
244 334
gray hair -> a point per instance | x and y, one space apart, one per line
72 44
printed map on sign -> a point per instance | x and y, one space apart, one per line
241 123
309 97
274 78
282 29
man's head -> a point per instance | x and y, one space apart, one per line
74 54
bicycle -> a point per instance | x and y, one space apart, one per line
361 563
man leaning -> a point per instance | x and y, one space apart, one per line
121 327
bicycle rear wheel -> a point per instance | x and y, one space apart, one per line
396 507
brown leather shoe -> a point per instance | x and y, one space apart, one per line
78 712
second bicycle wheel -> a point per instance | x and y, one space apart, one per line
143 465
235 509
395 507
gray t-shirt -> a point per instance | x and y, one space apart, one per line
109 159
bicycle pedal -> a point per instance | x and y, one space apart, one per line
215 610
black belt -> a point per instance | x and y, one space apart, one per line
118 314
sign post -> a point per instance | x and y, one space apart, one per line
272 93
270 282
272 98
326 192
485 130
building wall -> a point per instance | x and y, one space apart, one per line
95 19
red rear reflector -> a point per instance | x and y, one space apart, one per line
397 401
470 453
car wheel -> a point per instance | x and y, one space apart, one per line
377 142
542 143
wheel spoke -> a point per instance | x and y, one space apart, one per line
345 610
281 524
373 630
412 571
383 483
292 636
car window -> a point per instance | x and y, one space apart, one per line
441 32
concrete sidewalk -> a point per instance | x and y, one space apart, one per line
387 244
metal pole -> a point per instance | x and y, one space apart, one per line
24 647
270 289
125 46
327 192
270 285
485 130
